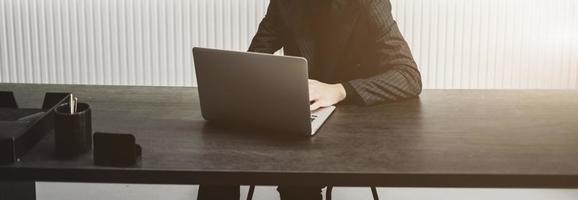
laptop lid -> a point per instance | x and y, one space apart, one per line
254 89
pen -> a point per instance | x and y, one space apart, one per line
75 104
71 104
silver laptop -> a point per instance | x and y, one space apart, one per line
255 89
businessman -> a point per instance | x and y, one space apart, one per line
356 54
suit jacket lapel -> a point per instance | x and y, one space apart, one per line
294 13
344 14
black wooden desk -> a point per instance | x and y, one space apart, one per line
447 138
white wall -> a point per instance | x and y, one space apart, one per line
493 43
457 44
128 42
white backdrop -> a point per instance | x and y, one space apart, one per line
457 43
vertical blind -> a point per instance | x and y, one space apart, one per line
456 43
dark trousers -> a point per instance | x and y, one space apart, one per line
231 192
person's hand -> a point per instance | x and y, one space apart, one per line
324 95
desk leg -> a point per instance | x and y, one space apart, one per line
17 190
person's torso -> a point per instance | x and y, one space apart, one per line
333 35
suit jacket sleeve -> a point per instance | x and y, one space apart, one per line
397 75
269 37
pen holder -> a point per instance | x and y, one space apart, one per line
72 132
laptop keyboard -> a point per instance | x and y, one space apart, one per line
313 117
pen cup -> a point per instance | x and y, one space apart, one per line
72 132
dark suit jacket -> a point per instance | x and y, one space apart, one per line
359 46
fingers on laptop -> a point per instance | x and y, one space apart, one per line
313 90
315 105
313 96
319 104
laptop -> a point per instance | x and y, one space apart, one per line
255 89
